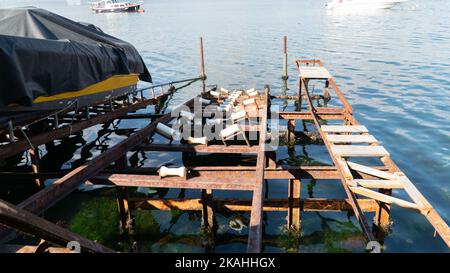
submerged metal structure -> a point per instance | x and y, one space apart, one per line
368 188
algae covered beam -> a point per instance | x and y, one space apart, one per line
244 205
27 222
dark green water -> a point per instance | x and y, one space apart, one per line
393 66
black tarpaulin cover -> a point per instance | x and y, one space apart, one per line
42 54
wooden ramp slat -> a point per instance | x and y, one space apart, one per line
351 139
381 184
384 198
344 129
413 192
371 171
354 150
314 72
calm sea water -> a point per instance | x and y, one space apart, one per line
393 65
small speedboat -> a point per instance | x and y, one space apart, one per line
362 4
116 6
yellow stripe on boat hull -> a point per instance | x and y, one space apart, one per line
114 82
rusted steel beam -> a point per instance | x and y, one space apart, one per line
210 183
207 210
270 173
231 149
306 205
29 223
255 227
341 97
293 217
22 144
307 116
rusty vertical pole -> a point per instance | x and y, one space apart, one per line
326 92
34 158
294 204
207 210
382 214
202 65
126 219
285 59
291 131
11 131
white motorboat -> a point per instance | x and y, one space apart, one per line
116 6
362 4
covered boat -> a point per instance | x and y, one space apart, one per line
49 61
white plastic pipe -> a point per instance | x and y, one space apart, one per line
166 131
215 121
214 93
187 115
248 102
253 94
251 90
197 140
230 130
165 171
238 116
204 101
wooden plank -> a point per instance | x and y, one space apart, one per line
134 180
351 138
371 171
379 184
344 129
413 192
439 225
384 198
29 223
362 151
314 72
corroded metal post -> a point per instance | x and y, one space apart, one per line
291 131
207 210
126 219
34 158
285 58
294 204
202 65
